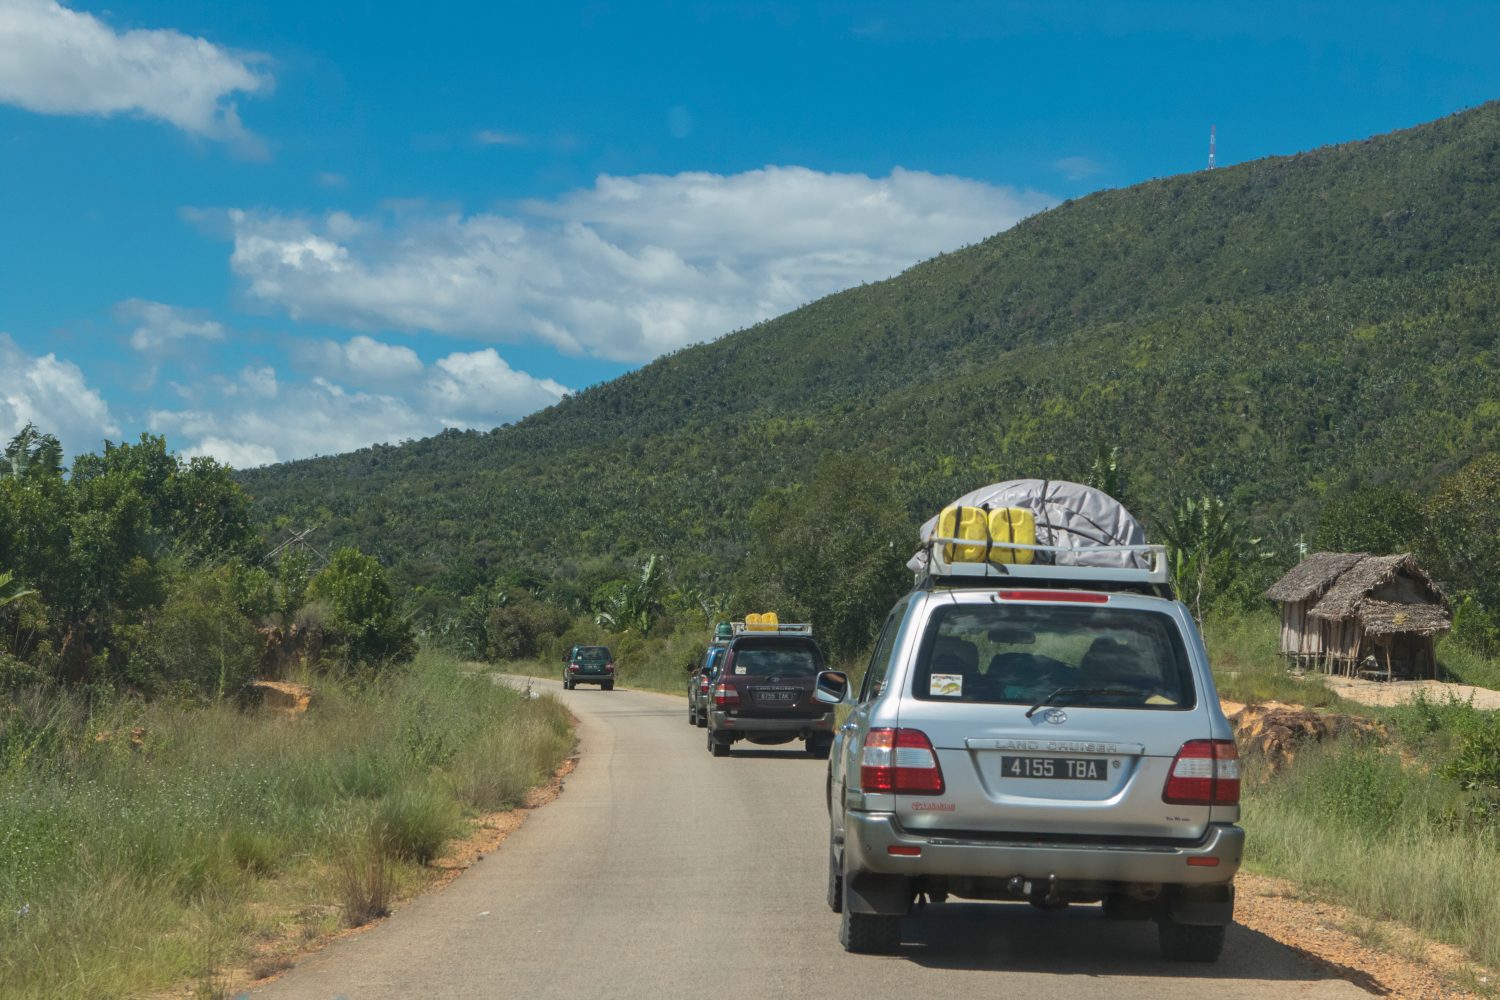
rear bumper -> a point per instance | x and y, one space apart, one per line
582 678
749 724
868 838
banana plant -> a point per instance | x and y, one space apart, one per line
10 591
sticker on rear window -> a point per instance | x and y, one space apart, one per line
947 686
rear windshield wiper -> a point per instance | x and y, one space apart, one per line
1073 692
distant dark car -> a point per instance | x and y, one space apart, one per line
763 693
700 685
589 665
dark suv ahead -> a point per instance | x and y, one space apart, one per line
700 685
589 665
764 693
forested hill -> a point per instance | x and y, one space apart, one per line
1275 333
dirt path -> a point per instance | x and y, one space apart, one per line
1399 692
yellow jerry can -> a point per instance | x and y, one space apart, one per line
1012 524
762 622
967 523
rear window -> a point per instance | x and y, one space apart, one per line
1017 654
592 654
777 659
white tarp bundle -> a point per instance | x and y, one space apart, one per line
1068 515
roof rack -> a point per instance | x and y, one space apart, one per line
1153 573
783 628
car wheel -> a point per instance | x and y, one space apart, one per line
692 714
567 684
702 720
1190 942
716 746
608 685
819 745
870 933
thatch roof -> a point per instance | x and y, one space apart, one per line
1343 598
1346 581
1387 617
1312 575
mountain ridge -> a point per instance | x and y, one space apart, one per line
1274 332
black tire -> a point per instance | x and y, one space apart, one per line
608 685
1190 942
870 933
567 684
835 881
716 746
819 745
702 721
692 714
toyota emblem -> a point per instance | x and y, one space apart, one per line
1056 716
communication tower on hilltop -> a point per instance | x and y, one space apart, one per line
1212 134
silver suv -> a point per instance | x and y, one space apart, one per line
1052 745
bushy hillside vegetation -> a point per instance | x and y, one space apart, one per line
1280 335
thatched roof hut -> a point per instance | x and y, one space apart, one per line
1312 575
1349 611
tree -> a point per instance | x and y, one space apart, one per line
11 591
1381 520
1463 547
833 551
31 453
633 604
1202 549
363 621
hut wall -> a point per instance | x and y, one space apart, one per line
1293 616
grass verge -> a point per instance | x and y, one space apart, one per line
144 845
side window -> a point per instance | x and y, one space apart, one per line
880 662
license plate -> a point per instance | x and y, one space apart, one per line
1075 768
777 695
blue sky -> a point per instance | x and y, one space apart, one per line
275 229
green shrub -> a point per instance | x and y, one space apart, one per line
415 820
363 622
200 640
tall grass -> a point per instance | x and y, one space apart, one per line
1247 667
1389 839
132 835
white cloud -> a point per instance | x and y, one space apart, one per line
494 137
1076 168
628 269
59 61
159 326
53 395
259 418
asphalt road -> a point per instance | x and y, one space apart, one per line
663 872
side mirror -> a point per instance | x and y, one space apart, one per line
831 687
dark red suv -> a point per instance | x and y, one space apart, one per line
764 693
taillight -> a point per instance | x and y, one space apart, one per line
725 694
1204 773
900 761
573 667
610 666
702 683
